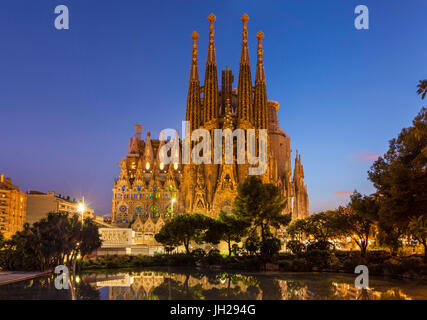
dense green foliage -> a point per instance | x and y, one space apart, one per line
54 240
261 205
319 227
400 176
228 228
358 220
183 229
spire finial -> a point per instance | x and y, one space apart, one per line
260 59
245 19
211 19
260 36
194 36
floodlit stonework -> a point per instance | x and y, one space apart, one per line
148 192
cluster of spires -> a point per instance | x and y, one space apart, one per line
251 100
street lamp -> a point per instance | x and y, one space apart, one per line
173 200
81 207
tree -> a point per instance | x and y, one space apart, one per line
401 181
422 88
183 229
320 226
252 243
418 230
260 205
295 246
358 220
228 228
269 248
54 240
168 237
89 238
297 229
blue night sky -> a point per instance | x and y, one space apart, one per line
69 98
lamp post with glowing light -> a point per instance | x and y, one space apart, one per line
81 208
173 201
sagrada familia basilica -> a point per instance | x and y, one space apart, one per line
148 192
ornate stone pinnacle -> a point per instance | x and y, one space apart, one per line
211 18
260 35
244 18
194 35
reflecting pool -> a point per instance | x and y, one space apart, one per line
176 283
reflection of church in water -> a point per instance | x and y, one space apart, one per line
149 192
152 285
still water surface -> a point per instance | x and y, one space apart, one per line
176 283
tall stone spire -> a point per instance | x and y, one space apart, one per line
193 98
244 91
260 96
298 168
148 156
211 77
301 203
134 142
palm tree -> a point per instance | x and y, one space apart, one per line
422 88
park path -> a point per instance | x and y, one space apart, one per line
7 277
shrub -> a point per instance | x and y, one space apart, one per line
415 264
378 256
320 259
198 253
352 261
251 263
269 248
252 243
181 259
285 265
236 250
320 245
295 246
213 258
300 264
393 266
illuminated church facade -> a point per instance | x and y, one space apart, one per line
148 192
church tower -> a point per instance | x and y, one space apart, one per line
194 114
300 206
260 95
244 89
210 89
